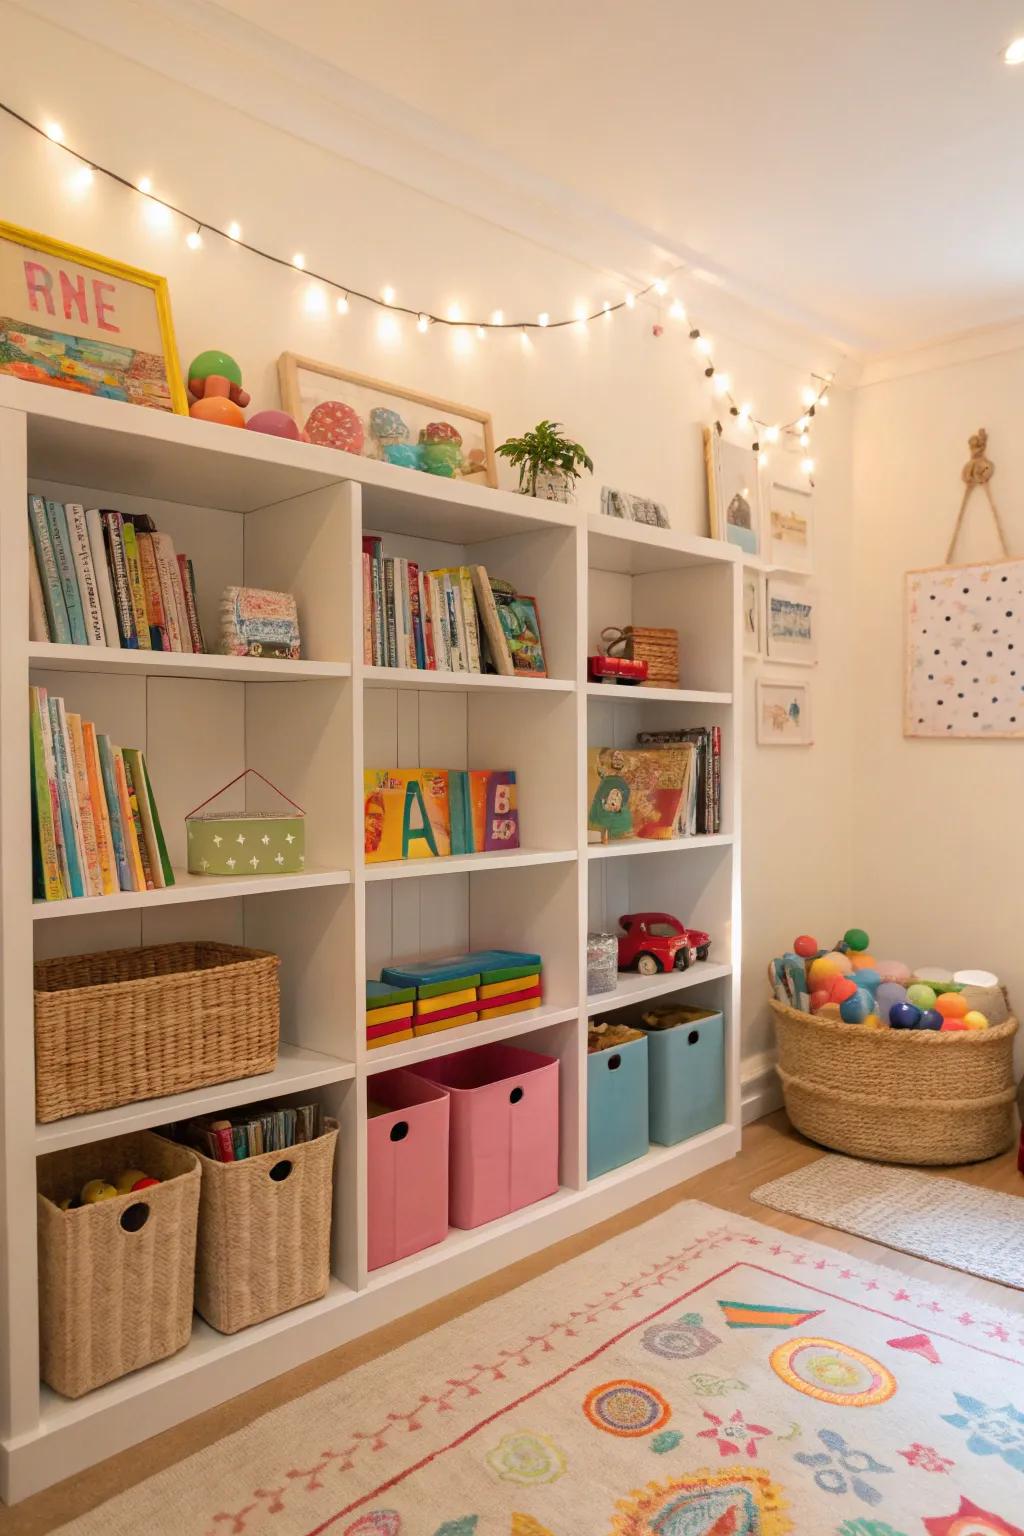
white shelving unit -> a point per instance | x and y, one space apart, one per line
289 515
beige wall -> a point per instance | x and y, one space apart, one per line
637 402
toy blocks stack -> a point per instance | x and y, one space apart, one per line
464 988
389 1013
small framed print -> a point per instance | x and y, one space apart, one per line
789 527
734 493
783 713
753 613
791 623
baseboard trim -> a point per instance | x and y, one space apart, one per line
761 1093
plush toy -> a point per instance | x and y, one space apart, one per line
215 384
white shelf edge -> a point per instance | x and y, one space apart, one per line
296 1070
671 543
445 1041
634 988
642 845
189 888
112 660
626 695
468 864
481 682
659 1157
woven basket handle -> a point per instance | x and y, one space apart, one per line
218 792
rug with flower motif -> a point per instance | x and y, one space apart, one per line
701 1375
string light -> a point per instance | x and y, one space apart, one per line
805 438
677 311
660 287
54 131
543 319
481 332
1014 53
84 178
630 300
298 260
605 308
388 294
809 395
145 185
703 345
771 434
341 304
722 384
234 230
194 239
423 323
316 300
454 312
498 317
807 465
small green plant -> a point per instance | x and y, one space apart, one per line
545 450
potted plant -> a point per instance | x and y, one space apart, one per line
549 463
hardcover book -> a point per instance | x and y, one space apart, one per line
405 814
634 792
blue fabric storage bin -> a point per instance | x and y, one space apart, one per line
617 1106
687 1070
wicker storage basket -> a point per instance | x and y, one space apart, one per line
898 1096
116 1278
130 1024
265 1233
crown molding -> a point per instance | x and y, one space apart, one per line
948 352
200 45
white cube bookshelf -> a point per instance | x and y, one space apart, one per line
266 512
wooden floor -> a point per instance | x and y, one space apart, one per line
770 1149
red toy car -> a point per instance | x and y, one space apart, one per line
657 941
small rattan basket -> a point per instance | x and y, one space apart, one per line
265 1233
898 1096
116 1278
130 1024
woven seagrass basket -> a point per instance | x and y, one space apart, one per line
130 1024
115 1278
898 1096
265 1233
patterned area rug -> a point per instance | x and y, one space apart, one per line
701 1375
977 1230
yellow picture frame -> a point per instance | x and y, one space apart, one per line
74 353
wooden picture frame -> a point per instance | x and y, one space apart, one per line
111 333
783 713
306 383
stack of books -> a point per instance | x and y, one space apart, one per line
108 578
388 1013
253 1131
417 813
455 619
704 806
442 994
95 826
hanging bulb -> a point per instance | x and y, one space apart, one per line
771 434
498 317
145 184
805 438
388 294
316 300
341 305
703 345
463 340
808 396
194 239
803 423
722 382
157 215
764 458
660 287
234 230
543 318
605 307
744 413
630 300
83 178
524 337
423 323
821 400
481 333
807 465
454 312
298 260
676 310
54 131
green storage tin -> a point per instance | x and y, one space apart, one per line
243 842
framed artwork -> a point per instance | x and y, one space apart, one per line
789 527
791 623
361 415
734 493
633 509
964 651
753 613
783 713
78 321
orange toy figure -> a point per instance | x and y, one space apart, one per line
215 384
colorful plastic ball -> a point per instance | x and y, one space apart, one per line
930 1019
855 938
873 1022
144 1183
805 946
868 978
904 1016
951 1005
975 1020
129 1179
830 1011
950 1026
818 1000
856 1008
225 412
841 988
823 971
894 970
215 362
96 1190
921 995
888 995
861 961
274 424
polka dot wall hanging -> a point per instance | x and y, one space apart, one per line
965 635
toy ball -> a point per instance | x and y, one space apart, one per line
951 1005
274 424
873 1022
855 938
818 1000
856 1008
904 1016
823 971
830 1011
888 995
97 1190
975 1020
950 1025
144 1183
861 961
129 1179
842 988
216 408
930 1019
866 977
215 362
805 946
921 995
893 970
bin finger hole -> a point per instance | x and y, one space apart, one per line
399 1131
515 1095
280 1171
693 1037
614 1062
135 1217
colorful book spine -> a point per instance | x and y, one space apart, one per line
134 768
101 813
38 628
426 618
101 570
46 559
389 611
108 769
158 831
52 886
188 590
61 539
65 796
175 621
716 770
367 582
78 532
136 590
487 608
152 594
90 842
72 787
473 661
113 536
439 619
131 831
451 606
51 776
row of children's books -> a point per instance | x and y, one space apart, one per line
668 786
95 826
108 578
429 813
253 1131
455 619
704 807
420 999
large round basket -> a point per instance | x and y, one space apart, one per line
898 1096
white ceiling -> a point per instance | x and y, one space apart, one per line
860 163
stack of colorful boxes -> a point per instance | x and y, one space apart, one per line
388 1013
459 990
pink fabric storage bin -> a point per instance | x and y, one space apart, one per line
504 1129
407 1167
